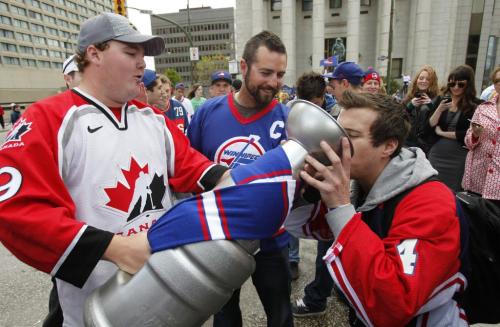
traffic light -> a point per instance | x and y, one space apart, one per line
119 7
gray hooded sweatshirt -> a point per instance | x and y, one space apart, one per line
403 172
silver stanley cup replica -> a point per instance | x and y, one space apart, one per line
186 285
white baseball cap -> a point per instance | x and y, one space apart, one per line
70 65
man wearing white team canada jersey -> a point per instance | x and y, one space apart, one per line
83 173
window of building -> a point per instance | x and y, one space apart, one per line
307 5
61 12
6 33
74 26
39 40
37 28
61 2
42 52
397 67
72 15
3 6
11 61
71 5
55 54
43 64
52 31
25 49
83 9
23 37
20 23
366 3
275 5
336 47
489 64
49 19
5 20
34 14
52 42
8 47
28 62
18 10
65 34
63 23
47 7
34 3
335 4
57 65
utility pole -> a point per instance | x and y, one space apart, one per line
389 55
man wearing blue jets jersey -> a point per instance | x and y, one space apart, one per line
236 129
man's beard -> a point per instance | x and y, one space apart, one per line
261 100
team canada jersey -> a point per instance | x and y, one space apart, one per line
221 133
75 172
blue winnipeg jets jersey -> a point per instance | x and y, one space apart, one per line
222 134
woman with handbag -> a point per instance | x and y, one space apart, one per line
482 167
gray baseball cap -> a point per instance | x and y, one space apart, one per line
109 26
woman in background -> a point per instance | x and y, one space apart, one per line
419 105
196 96
450 121
482 167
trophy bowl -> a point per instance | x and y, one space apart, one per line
309 124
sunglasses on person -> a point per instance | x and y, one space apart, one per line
459 84
496 81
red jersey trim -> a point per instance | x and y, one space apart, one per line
251 119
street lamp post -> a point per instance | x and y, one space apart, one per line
186 33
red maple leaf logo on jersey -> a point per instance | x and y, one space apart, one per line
121 195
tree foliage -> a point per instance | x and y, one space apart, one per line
207 65
173 75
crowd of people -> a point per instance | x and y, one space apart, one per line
123 140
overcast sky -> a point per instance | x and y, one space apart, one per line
143 23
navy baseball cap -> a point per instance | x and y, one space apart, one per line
179 86
221 75
149 77
347 70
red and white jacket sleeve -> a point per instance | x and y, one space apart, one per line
189 166
38 218
389 281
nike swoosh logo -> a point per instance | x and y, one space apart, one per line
93 130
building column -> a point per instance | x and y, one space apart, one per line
422 34
352 51
318 34
489 7
258 16
382 46
288 38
